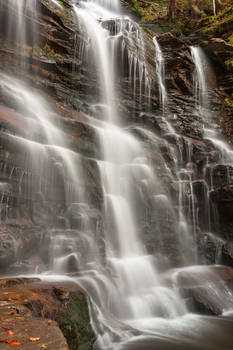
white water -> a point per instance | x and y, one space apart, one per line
130 290
127 289
56 3
100 41
17 13
203 108
139 294
38 113
160 69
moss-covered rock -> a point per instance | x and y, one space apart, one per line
76 327
42 308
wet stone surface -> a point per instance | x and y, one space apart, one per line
39 315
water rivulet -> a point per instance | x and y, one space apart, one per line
117 187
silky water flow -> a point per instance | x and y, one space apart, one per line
133 303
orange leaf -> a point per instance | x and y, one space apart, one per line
14 343
34 339
10 333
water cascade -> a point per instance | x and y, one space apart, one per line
124 170
203 106
19 19
161 74
114 211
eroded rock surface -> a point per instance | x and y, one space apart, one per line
37 314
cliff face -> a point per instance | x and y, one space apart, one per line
31 217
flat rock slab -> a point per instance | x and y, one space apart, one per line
18 327
29 333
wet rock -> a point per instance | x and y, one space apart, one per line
155 122
210 287
183 84
227 254
221 49
44 315
82 217
220 175
8 249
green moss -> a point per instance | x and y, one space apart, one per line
219 24
47 52
77 328
229 102
62 4
149 11
229 63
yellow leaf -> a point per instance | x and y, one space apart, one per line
34 339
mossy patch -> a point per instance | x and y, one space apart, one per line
77 328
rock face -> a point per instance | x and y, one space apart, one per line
31 218
38 315
196 284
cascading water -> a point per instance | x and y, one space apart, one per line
139 295
134 303
160 73
140 298
203 107
20 17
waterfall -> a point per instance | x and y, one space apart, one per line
160 70
203 107
139 295
202 71
121 250
20 17
100 39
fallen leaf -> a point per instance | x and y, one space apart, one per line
10 333
34 339
14 343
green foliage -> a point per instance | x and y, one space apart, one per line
150 11
229 101
47 52
220 25
62 4
77 328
